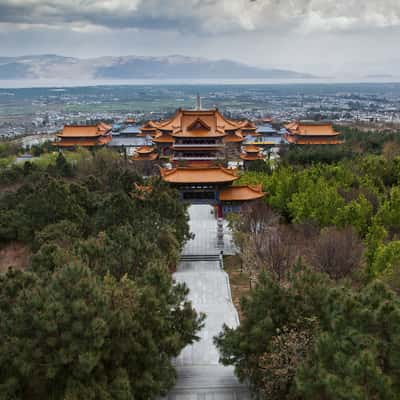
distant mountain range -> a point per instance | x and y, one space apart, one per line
135 67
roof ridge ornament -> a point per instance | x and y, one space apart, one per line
198 102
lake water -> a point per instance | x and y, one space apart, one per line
37 83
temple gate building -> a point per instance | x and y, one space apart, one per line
312 133
211 185
84 136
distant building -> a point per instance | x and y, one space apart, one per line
128 138
130 121
267 137
312 133
84 136
145 153
251 153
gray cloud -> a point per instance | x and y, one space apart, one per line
204 16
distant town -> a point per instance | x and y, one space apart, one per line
44 111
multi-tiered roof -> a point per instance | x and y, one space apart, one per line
182 175
251 153
311 133
197 135
84 135
145 153
219 176
197 123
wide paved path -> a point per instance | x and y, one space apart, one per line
200 376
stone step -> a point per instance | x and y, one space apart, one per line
208 382
199 257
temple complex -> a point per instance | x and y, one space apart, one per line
193 145
84 135
312 133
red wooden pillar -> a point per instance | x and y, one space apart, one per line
219 211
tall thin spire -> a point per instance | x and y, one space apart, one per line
198 102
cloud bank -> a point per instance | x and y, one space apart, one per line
203 16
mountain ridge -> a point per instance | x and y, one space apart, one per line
53 66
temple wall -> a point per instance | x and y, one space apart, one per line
232 150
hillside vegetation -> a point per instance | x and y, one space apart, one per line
95 315
321 316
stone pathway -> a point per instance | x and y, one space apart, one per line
200 376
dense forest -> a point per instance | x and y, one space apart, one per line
95 313
322 253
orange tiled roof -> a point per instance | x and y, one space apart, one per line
163 138
198 163
197 123
71 142
241 193
145 153
199 175
251 148
149 125
311 129
104 127
145 150
248 125
234 138
78 131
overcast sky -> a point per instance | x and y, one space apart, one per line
326 37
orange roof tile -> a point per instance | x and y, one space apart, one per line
104 127
77 131
84 143
248 125
163 138
251 148
199 175
311 129
234 138
198 123
145 150
241 193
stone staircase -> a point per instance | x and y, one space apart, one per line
200 375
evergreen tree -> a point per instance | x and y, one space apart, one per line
75 335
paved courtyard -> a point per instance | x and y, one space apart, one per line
204 225
200 376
